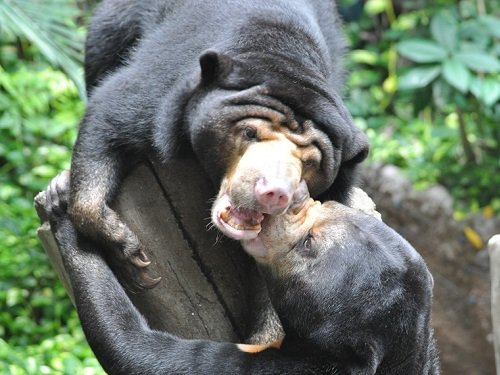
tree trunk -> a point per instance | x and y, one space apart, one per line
205 279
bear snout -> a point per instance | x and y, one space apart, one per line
273 195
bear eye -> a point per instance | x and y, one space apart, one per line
250 133
309 163
307 245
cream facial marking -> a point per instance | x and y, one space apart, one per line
266 170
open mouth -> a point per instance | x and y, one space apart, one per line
242 218
237 223
246 223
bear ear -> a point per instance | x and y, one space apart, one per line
214 65
356 148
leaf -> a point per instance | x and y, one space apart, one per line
364 57
444 30
492 23
373 7
418 77
422 50
487 90
488 212
474 238
390 84
479 61
473 31
491 91
44 171
456 74
476 87
43 24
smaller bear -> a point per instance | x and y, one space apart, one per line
353 297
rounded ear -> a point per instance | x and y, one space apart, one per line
214 65
355 148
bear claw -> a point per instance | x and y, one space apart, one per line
140 259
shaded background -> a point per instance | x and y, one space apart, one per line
423 84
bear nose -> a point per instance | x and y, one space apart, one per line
273 195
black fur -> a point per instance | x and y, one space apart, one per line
364 299
120 336
161 73
362 306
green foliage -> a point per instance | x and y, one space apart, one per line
39 112
456 60
425 86
49 25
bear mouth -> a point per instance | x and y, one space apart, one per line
242 218
236 222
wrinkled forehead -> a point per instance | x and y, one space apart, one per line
285 103
316 102
302 134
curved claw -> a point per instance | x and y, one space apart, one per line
132 270
140 259
136 280
149 282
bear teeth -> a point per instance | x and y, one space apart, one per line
242 219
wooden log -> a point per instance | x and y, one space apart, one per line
494 251
205 279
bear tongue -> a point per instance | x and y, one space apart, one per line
242 218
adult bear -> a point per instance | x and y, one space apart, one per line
247 88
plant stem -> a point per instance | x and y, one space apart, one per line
481 7
389 9
470 158
20 49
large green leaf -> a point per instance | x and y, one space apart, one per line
456 74
492 23
491 91
373 7
473 31
418 77
422 50
444 30
479 61
487 90
45 24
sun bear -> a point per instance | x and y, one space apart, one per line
250 89
352 295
